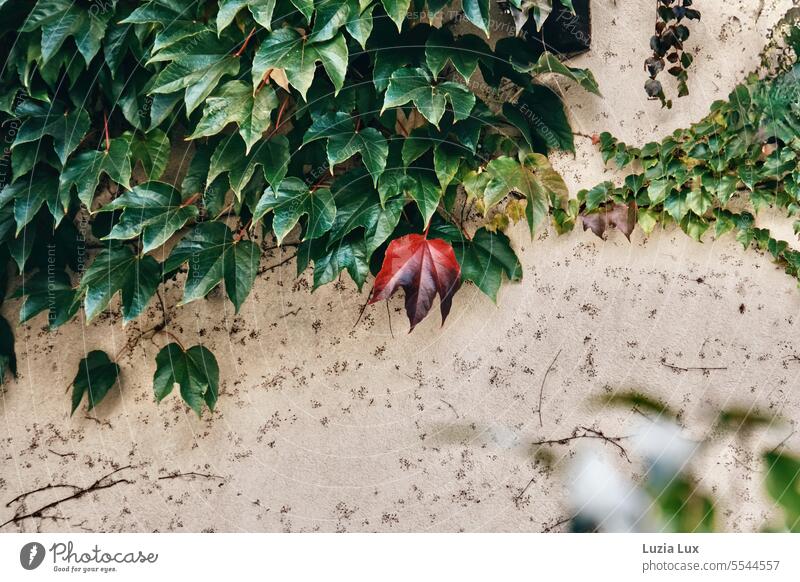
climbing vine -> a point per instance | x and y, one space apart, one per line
349 129
671 31
721 172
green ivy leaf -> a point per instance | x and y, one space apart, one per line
360 27
485 259
647 220
549 63
30 193
195 181
292 200
83 171
260 9
197 64
97 374
421 186
118 269
596 196
464 52
230 158
67 128
154 210
539 115
397 10
722 187
52 292
533 177
152 150
234 102
699 200
214 255
358 206
477 12
446 161
175 21
677 205
59 20
195 371
286 49
331 16
659 190
418 143
430 99
695 226
344 141
306 8
20 248
349 253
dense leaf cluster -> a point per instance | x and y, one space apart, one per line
337 126
722 171
667 46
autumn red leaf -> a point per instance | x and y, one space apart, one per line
422 267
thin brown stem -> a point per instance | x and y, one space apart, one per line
588 433
173 336
691 368
191 199
282 108
544 379
105 128
103 482
245 43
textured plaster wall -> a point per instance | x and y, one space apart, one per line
325 424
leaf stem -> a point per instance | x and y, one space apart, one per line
245 43
263 82
239 235
191 199
173 336
105 126
280 116
320 182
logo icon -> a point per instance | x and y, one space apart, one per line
31 555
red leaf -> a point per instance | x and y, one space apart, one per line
422 267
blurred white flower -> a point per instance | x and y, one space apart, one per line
662 447
603 498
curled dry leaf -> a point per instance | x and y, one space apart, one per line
422 267
279 76
619 216
405 124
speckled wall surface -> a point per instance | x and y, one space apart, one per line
331 423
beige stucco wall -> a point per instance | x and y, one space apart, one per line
325 424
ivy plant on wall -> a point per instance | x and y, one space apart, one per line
721 172
351 129
671 31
